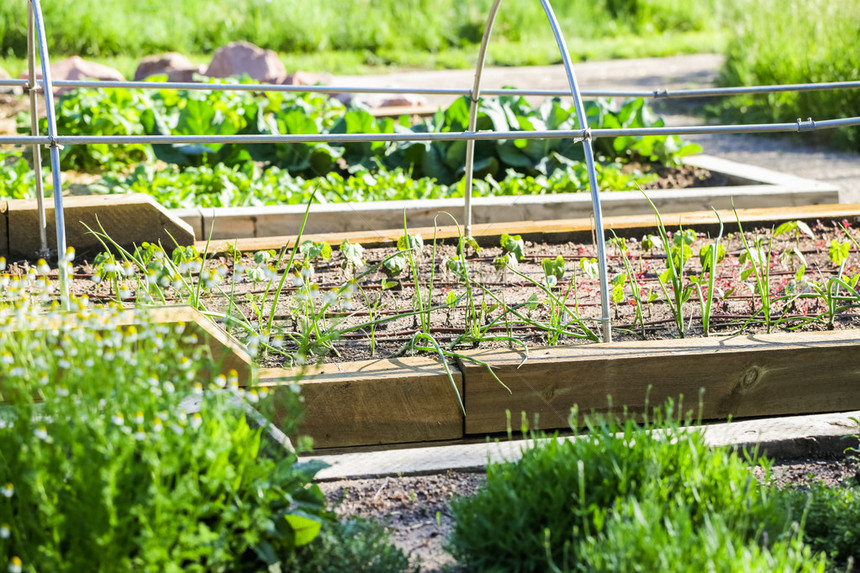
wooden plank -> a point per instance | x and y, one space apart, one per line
375 402
756 375
127 219
562 229
226 352
4 229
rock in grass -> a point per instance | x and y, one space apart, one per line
244 58
177 67
77 68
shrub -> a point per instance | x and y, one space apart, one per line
352 545
622 497
101 469
832 519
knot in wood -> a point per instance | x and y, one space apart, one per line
749 378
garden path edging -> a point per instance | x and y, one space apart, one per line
787 437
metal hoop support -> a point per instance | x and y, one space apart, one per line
34 130
47 86
473 114
605 323
606 328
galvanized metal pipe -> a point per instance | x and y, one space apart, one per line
331 90
59 215
605 318
473 115
34 130
577 134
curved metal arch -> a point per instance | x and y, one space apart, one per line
606 328
48 87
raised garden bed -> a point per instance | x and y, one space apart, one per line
745 370
745 186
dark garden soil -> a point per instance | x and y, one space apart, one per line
361 314
417 508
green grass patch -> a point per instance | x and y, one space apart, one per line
796 41
113 27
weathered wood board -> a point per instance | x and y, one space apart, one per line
560 229
226 352
4 229
375 402
756 375
127 219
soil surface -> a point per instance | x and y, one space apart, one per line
417 508
332 310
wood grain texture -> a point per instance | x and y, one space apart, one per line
562 229
757 375
4 229
127 219
375 402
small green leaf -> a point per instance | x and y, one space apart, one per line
468 243
553 267
311 250
589 267
353 254
619 280
618 293
839 251
649 242
513 244
393 266
798 276
304 528
410 242
263 256
456 267
706 254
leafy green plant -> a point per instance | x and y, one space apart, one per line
98 112
513 251
757 257
770 43
353 257
640 299
795 229
117 474
669 495
831 517
710 256
678 253
351 545
17 180
553 270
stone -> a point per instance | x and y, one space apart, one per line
244 58
376 101
307 79
77 68
177 67
4 75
